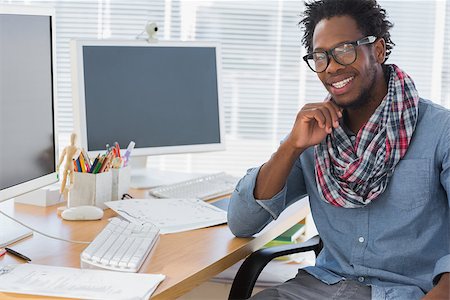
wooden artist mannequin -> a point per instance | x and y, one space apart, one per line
70 152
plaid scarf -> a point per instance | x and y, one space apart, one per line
352 176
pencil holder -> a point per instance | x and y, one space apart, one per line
90 189
120 182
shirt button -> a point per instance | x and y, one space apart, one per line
361 279
361 239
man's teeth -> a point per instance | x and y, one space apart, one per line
342 83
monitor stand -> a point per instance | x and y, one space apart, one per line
138 162
146 178
46 196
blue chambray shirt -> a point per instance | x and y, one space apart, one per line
399 243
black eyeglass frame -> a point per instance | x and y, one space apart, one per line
364 41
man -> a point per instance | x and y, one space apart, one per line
374 159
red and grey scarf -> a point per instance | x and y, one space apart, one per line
352 175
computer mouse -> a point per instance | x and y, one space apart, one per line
84 212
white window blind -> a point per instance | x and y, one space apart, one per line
260 78
265 82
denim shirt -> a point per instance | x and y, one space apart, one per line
399 243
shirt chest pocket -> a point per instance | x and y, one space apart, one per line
410 183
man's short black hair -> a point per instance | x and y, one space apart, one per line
369 16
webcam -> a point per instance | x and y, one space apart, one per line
151 28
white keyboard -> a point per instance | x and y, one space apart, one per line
120 246
204 188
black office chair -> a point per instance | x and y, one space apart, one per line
249 271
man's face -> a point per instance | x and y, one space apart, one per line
353 85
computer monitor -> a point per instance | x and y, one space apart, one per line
27 101
164 96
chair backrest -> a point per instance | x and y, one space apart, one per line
248 273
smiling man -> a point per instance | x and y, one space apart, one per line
374 159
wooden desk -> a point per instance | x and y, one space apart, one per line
187 259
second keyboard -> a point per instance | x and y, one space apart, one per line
204 188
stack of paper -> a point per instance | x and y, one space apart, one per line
77 283
170 215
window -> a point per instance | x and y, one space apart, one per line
264 80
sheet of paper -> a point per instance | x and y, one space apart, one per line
170 215
77 283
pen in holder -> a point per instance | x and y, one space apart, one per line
92 181
103 179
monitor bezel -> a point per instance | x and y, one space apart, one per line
51 178
78 95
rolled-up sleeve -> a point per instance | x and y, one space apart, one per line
247 215
442 266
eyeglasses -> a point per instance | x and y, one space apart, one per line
344 54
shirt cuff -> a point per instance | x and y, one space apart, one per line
273 206
245 189
442 266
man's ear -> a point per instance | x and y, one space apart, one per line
380 50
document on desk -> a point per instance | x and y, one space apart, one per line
170 215
76 283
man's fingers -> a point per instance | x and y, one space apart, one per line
334 112
327 114
328 118
317 115
337 108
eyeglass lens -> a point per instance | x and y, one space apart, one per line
344 54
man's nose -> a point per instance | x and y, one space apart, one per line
333 65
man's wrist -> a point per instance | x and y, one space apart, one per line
290 149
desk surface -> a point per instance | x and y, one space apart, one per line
187 259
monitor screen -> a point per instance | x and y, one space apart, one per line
27 127
163 96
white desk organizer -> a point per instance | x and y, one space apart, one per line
120 182
90 189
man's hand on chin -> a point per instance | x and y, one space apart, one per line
441 291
